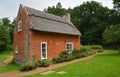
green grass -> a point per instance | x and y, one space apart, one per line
4 55
11 66
105 65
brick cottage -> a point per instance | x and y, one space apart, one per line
39 35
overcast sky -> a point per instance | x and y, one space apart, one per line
9 8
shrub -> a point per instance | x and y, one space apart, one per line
96 46
28 66
100 50
85 48
85 51
66 56
84 54
76 54
43 63
57 60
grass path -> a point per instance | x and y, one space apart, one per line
5 57
17 73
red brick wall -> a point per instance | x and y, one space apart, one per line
20 37
56 43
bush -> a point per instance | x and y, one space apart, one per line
43 63
28 66
76 54
96 46
100 50
85 48
83 52
57 60
66 56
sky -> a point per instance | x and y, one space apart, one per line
9 8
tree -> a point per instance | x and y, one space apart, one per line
112 35
57 10
6 33
11 29
116 5
4 37
91 19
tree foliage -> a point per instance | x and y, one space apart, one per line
4 37
57 10
116 5
111 35
91 19
6 33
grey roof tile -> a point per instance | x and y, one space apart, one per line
43 21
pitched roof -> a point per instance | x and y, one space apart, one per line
43 21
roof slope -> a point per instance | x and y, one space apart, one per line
43 21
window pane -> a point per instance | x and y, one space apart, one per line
19 26
16 49
69 47
43 45
44 53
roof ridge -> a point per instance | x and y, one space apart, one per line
49 19
45 13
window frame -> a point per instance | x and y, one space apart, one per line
16 49
45 49
71 48
20 26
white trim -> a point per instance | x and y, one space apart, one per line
19 29
41 49
69 43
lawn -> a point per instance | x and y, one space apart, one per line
105 65
4 55
11 66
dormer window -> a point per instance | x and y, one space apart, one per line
19 26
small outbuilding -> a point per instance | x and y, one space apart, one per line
40 35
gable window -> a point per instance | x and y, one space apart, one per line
44 50
69 47
16 49
19 26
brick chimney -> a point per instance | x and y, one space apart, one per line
67 16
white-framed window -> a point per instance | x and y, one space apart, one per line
16 49
69 47
43 50
19 26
